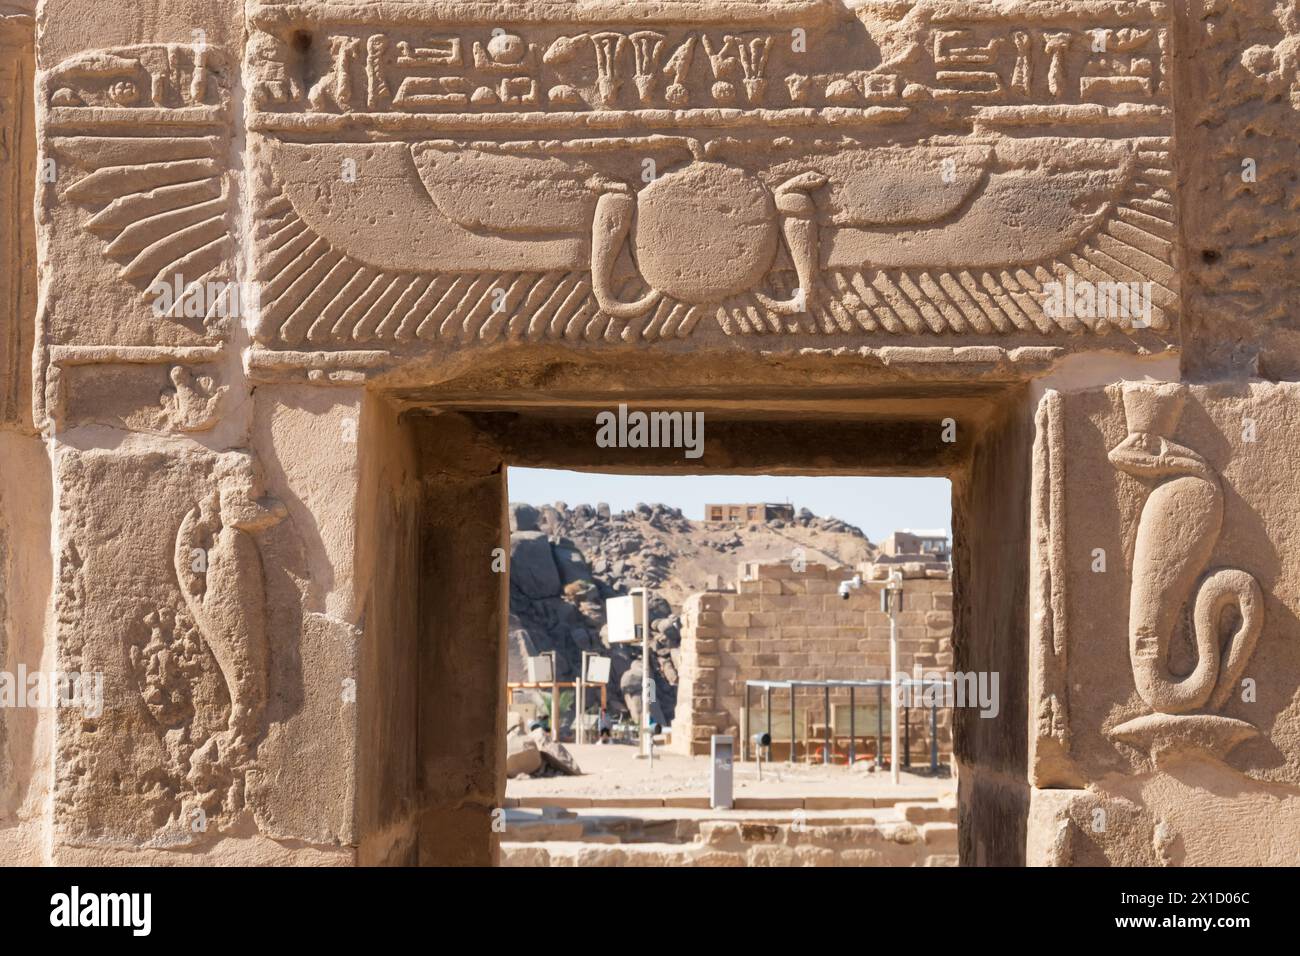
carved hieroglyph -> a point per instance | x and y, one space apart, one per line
1198 654
572 176
221 580
423 178
175 617
1176 535
1163 714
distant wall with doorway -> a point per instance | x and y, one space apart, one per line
780 625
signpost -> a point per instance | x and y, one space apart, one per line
542 670
722 749
594 670
629 620
622 615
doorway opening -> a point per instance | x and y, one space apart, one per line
761 623
979 440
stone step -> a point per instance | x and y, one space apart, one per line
660 826
914 834
631 829
843 849
927 812
843 802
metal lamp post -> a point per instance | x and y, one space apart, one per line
891 602
555 695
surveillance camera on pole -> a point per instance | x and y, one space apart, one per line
848 587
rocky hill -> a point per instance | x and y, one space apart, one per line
565 563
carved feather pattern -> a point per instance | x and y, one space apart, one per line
161 218
312 294
1133 244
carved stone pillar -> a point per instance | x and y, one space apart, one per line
17 238
24 483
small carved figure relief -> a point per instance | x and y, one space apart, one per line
1176 536
677 69
1055 45
609 49
334 90
648 48
219 569
193 402
278 82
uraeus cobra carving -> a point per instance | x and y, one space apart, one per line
1176 536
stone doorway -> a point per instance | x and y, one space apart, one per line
978 438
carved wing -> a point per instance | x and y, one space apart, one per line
980 263
388 242
160 217
146 126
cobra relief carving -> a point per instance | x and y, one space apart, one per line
1176 535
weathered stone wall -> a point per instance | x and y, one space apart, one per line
843 249
1238 128
782 624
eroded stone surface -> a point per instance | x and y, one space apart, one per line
286 339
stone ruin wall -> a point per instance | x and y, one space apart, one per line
782 624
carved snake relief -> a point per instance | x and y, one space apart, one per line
1176 535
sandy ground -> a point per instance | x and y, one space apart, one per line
615 770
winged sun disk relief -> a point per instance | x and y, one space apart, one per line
473 244
477 244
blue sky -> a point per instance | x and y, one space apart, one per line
876 505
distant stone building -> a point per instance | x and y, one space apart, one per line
783 625
917 545
742 514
